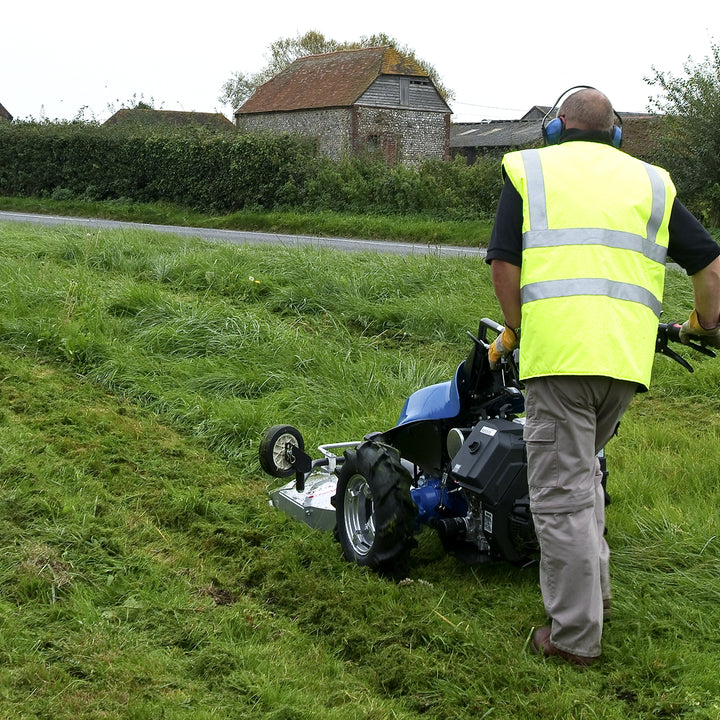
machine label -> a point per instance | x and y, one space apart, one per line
488 522
488 430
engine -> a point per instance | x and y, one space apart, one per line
491 469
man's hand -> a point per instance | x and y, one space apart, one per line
503 345
692 330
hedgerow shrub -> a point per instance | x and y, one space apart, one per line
196 167
227 171
442 189
689 142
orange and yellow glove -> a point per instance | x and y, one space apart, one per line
502 346
692 330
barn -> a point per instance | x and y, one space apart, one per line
351 102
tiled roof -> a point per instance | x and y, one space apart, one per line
640 133
144 117
335 79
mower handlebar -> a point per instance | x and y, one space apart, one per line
670 332
667 333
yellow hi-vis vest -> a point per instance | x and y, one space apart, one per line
595 237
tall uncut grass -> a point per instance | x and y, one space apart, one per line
144 575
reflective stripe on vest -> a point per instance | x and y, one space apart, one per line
591 286
540 235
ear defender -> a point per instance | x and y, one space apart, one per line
553 130
616 135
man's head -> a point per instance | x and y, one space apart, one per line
587 109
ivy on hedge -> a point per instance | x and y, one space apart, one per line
216 171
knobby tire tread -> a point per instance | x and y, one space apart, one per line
394 510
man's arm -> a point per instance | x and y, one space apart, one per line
703 321
506 282
706 285
691 246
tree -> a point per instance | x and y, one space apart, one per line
284 51
690 142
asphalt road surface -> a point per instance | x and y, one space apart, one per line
241 237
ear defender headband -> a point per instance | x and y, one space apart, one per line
552 130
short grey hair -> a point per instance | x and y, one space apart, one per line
588 109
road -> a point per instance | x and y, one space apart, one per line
242 237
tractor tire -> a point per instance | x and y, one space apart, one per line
374 511
272 452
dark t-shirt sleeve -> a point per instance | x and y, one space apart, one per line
691 245
506 237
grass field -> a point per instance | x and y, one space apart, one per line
144 575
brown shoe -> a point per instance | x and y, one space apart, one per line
542 646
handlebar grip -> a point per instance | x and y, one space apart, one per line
674 331
492 325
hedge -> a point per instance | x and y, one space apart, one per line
216 171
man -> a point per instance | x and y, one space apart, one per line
577 259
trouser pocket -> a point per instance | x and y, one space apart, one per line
541 445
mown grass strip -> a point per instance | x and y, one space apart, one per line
143 574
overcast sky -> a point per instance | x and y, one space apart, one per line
499 58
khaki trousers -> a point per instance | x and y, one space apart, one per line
569 419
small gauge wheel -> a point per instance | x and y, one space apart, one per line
276 447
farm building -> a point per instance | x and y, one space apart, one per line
352 102
496 137
4 114
493 137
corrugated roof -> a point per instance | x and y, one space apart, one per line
536 112
335 79
495 133
640 131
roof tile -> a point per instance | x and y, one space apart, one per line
335 79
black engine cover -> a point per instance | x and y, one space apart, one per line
492 464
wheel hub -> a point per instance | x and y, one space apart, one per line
280 451
358 513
